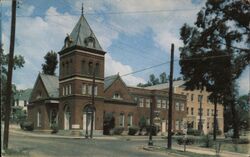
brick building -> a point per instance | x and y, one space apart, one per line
195 98
67 99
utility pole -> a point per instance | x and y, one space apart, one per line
93 104
170 98
1 56
150 141
9 76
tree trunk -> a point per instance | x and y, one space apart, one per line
235 121
215 120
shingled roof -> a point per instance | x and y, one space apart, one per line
81 34
51 84
108 81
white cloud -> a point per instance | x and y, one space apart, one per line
113 67
35 36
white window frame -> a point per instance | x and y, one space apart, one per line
177 106
147 103
70 89
63 91
159 103
130 120
182 106
89 89
122 119
66 90
141 102
163 103
95 90
84 89
39 117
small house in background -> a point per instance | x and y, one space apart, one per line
21 100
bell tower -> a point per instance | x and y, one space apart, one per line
81 57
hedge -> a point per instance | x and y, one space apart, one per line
118 130
132 130
29 126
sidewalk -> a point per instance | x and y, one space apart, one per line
33 134
211 151
200 150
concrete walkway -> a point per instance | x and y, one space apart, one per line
33 134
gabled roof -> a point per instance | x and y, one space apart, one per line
80 35
166 85
51 84
108 81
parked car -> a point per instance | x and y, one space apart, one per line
229 133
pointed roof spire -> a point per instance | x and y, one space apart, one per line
82 35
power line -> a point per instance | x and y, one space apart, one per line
190 59
114 13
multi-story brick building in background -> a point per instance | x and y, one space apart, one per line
193 107
66 100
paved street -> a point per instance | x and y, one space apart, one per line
37 146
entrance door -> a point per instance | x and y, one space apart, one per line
67 118
87 113
163 126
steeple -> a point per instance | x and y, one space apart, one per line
82 35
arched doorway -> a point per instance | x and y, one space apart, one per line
67 117
87 117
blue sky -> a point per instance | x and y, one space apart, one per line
133 39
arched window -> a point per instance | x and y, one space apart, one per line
62 70
130 119
90 68
97 69
83 67
67 68
39 119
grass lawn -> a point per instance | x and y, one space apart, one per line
240 148
179 152
189 154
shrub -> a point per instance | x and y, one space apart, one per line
54 128
241 141
194 132
188 141
132 130
179 133
207 141
29 126
118 130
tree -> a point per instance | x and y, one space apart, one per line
163 78
153 80
50 63
211 57
243 109
18 63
